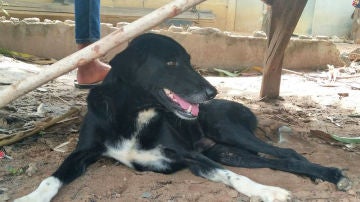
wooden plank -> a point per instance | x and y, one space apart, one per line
284 16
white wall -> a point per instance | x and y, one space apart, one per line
248 16
320 17
332 17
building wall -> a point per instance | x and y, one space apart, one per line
320 17
332 17
209 47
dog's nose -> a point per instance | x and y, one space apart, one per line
211 92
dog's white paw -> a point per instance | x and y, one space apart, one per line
34 197
274 194
28 198
44 193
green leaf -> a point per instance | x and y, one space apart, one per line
227 73
347 140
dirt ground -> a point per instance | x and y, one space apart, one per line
305 105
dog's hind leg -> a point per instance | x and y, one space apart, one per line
202 166
239 136
232 156
73 166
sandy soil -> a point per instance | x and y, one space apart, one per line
305 105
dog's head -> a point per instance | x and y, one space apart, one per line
161 67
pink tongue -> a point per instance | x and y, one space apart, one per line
185 105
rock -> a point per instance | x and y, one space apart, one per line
41 89
4 197
174 28
260 34
69 22
3 123
121 24
32 169
146 195
322 37
233 193
47 21
15 20
106 25
345 58
192 28
337 39
255 199
305 37
205 30
285 129
31 20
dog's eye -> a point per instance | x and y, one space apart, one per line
171 63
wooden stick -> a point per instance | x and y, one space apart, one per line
21 135
95 50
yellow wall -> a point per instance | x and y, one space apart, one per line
224 10
230 15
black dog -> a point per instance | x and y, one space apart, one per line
154 112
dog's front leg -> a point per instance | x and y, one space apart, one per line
73 166
47 189
202 166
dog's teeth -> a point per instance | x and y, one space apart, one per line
167 91
189 109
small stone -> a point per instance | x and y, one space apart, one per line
3 189
206 31
322 37
242 198
106 25
174 28
259 34
14 20
337 39
255 199
351 192
121 24
32 169
192 28
4 197
47 21
31 20
233 193
69 22
285 129
305 37
41 109
41 89
146 195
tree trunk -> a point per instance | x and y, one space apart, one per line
284 16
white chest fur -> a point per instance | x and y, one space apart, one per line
127 151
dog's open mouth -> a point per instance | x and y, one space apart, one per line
180 106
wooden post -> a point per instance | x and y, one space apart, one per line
284 16
95 50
